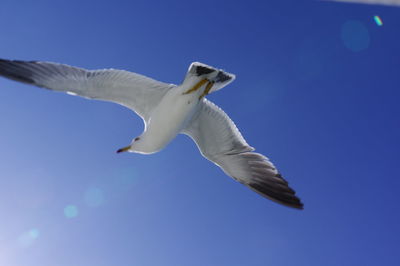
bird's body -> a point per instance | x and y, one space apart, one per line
170 117
168 110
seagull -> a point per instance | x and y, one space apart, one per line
167 110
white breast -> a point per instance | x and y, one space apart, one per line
169 118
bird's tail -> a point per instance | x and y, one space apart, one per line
220 77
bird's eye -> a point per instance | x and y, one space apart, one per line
137 138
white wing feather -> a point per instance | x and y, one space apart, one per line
132 90
219 140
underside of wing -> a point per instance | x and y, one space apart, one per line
219 140
132 90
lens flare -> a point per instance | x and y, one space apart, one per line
378 21
355 36
34 233
28 238
71 211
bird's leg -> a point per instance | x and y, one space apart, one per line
207 89
196 87
124 149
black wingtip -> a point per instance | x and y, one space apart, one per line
15 70
281 194
222 77
202 70
289 201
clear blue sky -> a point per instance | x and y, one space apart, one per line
320 79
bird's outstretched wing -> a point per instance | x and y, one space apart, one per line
220 141
132 90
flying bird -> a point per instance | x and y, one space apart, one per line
167 110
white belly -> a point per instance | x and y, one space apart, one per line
169 118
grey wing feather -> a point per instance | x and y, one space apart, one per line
219 140
132 90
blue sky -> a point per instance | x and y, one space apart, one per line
317 91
